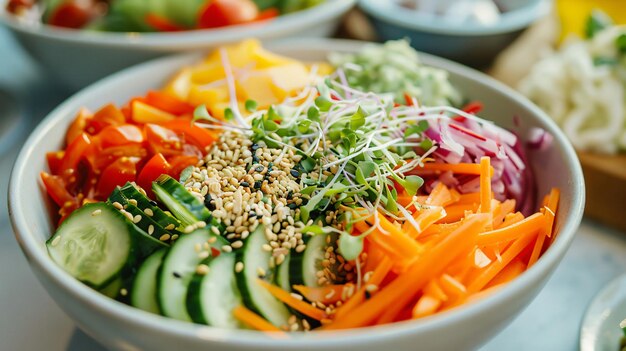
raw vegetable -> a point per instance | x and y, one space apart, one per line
581 87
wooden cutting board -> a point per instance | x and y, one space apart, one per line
605 175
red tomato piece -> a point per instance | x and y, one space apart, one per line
55 186
119 135
109 115
54 161
78 125
190 132
70 15
162 140
73 154
168 103
151 171
266 14
221 13
118 173
178 163
162 24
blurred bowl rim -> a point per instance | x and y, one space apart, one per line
291 22
32 246
391 12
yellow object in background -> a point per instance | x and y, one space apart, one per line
259 75
573 14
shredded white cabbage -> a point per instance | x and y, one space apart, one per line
582 88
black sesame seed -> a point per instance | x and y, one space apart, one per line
257 184
260 168
176 275
255 146
252 214
292 206
244 184
255 159
367 295
294 173
259 216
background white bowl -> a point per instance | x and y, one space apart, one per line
119 326
77 58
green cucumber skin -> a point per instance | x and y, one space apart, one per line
147 268
178 192
129 191
194 300
146 221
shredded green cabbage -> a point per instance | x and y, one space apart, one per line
395 67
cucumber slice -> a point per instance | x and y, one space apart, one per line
112 289
187 208
255 296
303 266
212 297
130 191
146 222
282 274
96 243
176 271
143 294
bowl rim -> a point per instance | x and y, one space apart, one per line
389 11
172 41
31 246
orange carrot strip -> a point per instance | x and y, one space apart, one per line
511 219
424 219
325 294
455 195
426 306
433 288
496 266
439 229
529 225
506 207
550 211
458 168
451 286
455 213
551 208
253 320
392 241
404 199
291 301
377 277
508 273
403 289
469 198
440 196
485 184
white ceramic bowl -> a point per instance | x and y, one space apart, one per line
119 326
469 43
77 58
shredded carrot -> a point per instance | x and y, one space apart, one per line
455 213
508 273
326 294
293 302
531 224
511 219
496 266
253 320
402 289
469 198
426 306
506 207
377 277
485 184
440 196
451 286
391 240
550 211
459 168
433 288
423 219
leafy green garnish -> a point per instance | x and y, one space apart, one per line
201 113
185 174
350 246
597 22
251 105
229 115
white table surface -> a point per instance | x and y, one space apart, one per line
30 320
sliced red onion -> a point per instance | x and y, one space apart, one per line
539 139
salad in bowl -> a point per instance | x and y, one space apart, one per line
250 191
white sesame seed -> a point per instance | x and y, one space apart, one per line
174 237
227 248
202 269
371 288
215 230
165 237
148 212
297 296
170 226
260 272
123 292
239 267
204 254
189 229
150 229
137 219
96 212
118 205
237 244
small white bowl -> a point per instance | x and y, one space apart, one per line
122 327
469 43
77 58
